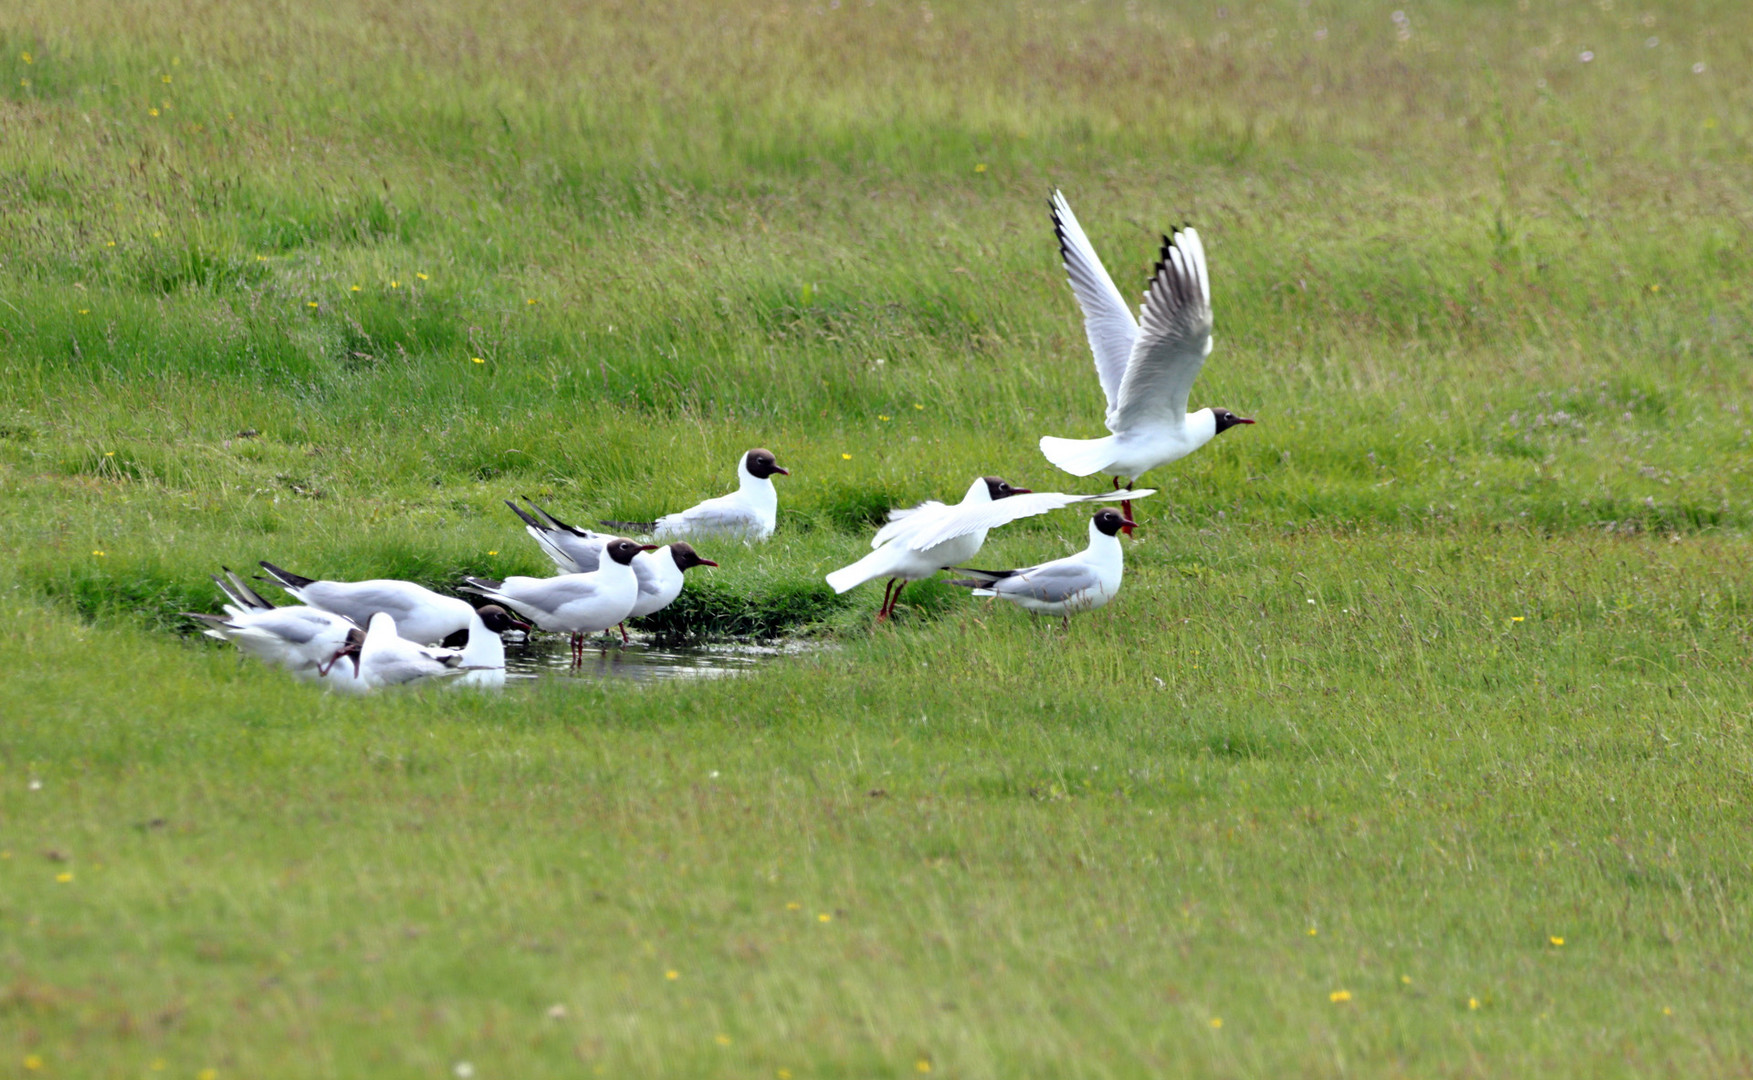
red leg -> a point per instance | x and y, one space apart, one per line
1125 506
883 612
623 633
896 599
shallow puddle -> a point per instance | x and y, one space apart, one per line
549 655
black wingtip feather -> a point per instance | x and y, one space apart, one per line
286 577
523 515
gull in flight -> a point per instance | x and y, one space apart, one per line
751 512
1146 365
917 543
1063 587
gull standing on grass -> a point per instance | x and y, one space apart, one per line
420 614
1063 587
751 512
576 604
1146 366
580 551
917 543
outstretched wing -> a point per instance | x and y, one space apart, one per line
901 519
1174 338
965 518
1106 319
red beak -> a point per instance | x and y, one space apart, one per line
519 624
706 562
1129 521
1243 420
1022 491
648 547
787 472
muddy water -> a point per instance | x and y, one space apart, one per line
550 656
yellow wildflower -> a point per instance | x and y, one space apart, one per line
824 917
845 457
1556 941
421 276
980 167
100 554
355 288
27 58
672 974
922 1065
793 906
782 1074
207 1074
1216 1022
32 1062
151 112
721 1039
1339 997
395 284
493 553
1472 1003
64 876
1516 618
477 360
164 79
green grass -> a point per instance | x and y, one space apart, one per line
1443 662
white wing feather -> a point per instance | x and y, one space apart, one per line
1107 321
1173 341
965 518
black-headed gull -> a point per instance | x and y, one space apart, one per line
1146 366
917 543
385 658
751 512
1064 587
576 604
579 551
303 639
421 615
483 657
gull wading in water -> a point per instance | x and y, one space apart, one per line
576 604
1146 366
382 657
580 551
1063 587
751 512
302 639
420 614
917 543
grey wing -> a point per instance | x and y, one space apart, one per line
648 583
1107 321
550 594
584 553
290 624
1173 341
360 601
962 519
1054 582
713 515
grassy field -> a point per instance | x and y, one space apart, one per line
1417 742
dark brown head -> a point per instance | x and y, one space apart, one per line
1226 420
685 556
499 620
998 489
762 464
1110 521
622 551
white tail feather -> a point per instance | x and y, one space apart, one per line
877 564
1079 457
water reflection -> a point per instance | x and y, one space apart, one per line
550 655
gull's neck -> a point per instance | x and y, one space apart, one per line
978 493
485 649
